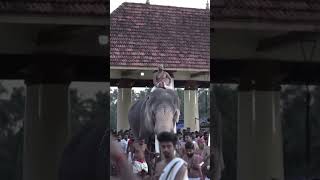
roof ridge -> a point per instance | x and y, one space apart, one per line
159 5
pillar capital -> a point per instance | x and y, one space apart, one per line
191 85
259 84
125 83
41 74
266 83
245 84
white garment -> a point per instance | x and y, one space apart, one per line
206 178
171 86
171 170
129 157
194 178
138 167
120 146
124 145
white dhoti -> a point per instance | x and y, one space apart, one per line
171 170
171 86
129 157
194 178
139 166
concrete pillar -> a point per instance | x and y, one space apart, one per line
45 129
260 154
269 157
191 111
246 121
123 104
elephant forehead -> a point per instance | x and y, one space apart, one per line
167 95
161 100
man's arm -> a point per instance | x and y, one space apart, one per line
155 79
168 76
157 173
182 173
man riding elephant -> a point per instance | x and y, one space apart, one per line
162 79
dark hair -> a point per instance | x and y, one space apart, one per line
186 134
189 145
167 137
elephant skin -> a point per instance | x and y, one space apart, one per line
154 114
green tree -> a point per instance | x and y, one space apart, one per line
204 103
226 104
293 125
11 137
101 107
180 93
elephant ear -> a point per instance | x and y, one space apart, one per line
145 112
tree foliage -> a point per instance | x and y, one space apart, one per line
12 110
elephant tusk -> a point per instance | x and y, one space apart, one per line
156 144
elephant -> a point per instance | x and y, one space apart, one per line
156 113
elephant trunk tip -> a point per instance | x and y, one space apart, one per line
158 132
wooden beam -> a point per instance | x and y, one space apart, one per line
284 39
198 74
127 72
83 68
62 33
55 35
149 83
230 71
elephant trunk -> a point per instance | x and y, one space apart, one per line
164 121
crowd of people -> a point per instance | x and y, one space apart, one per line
189 150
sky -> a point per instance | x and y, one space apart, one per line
199 4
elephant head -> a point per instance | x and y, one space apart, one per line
157 113
162 109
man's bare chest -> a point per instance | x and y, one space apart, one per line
161 75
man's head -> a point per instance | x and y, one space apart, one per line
179 136
140 141
206 135
167 141
187 137
160 67
193 136
201 143
126 137
189 149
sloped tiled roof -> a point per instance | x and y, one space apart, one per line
55 7
286 11
144 35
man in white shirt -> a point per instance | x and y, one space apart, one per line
124 144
